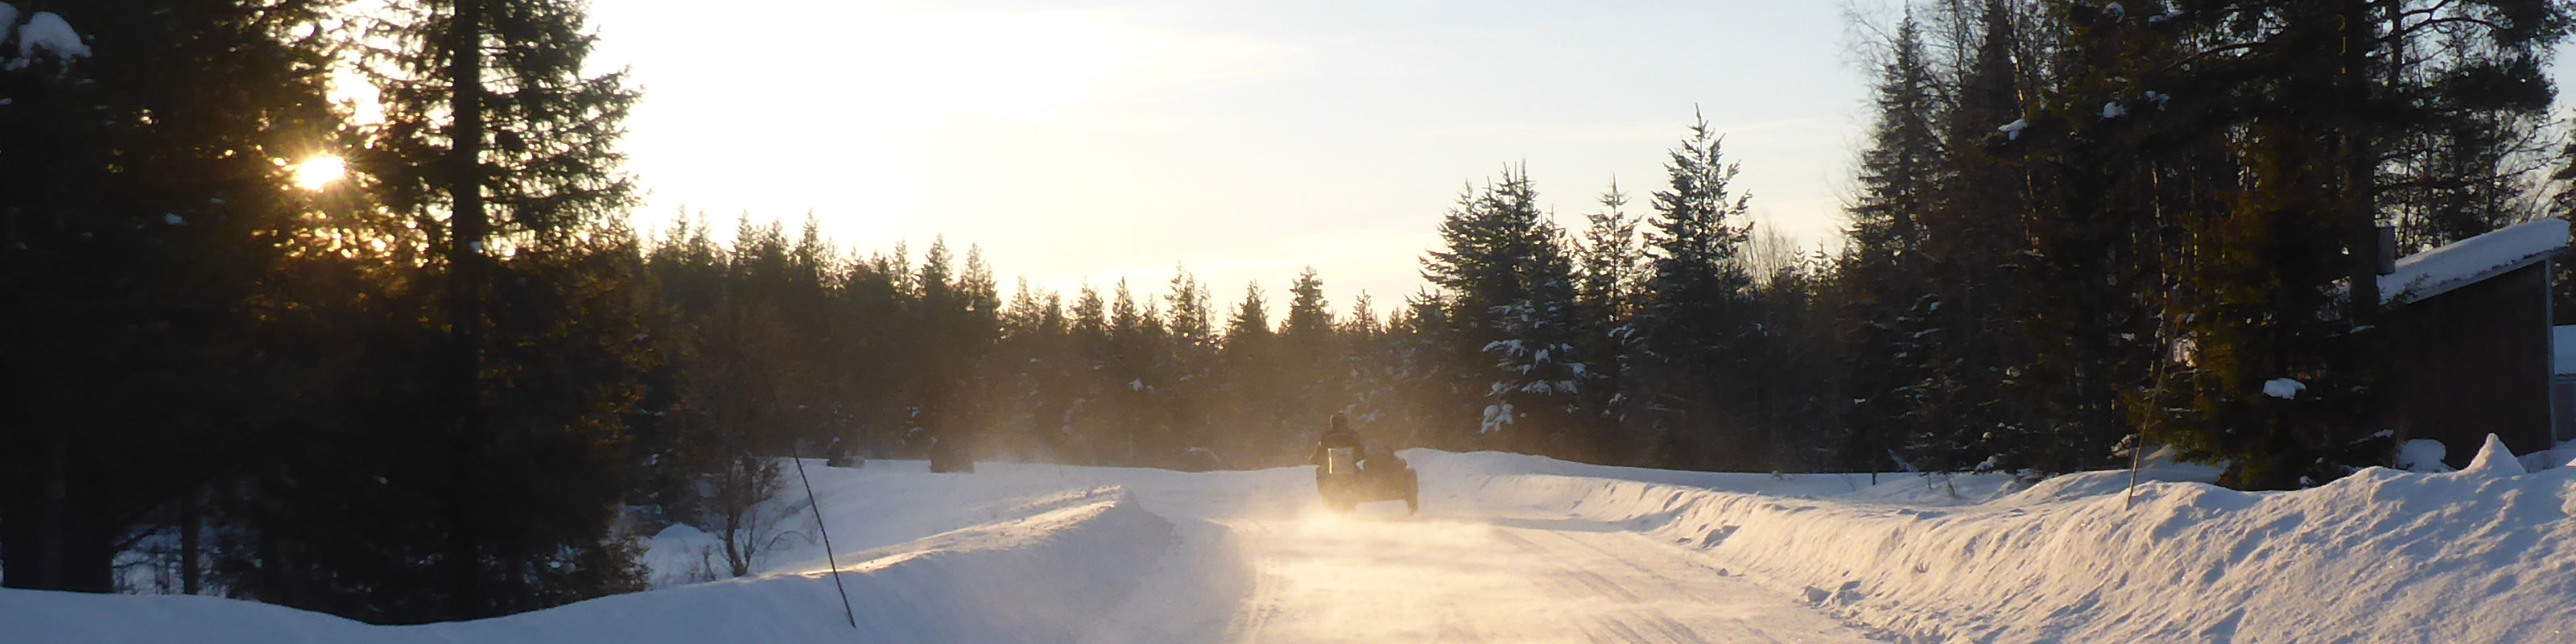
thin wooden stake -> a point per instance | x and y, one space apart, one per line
828 557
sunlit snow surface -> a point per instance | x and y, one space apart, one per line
1515 548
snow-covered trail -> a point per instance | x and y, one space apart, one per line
1513 548
1491 579
1270 565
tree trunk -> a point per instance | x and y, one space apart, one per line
2358 202
189 572
51 508
467 231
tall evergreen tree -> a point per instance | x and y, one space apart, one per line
153 247
1693 326
1879 282
513 147
2309 206
1508 288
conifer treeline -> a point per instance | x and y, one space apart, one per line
346 399
2073 222
2079 220
1530 340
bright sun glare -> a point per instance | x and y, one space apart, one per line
318 172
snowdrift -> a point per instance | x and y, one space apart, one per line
2483 555
1044 574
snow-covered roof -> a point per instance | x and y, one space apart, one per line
2562 350
2434 272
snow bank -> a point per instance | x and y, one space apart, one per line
2381 555
1042 576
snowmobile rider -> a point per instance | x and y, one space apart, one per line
1338 434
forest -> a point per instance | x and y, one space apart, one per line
460 383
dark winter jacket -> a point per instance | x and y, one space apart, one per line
1334 439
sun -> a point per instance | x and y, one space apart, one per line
320 171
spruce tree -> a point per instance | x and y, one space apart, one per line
1693 327
156 250
1252 385
1310 369
498 138
1878 282
1507 285
2304 223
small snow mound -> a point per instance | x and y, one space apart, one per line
49 33
2012 131
2283 388
2112 110
2495 460
2423 456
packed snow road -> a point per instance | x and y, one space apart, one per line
1458 572
1514 548
1468 579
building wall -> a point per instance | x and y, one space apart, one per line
2562 405
2471 362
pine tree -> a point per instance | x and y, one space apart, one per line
2304 220
1609 293
156 249
514 149
1693 326
1879 281
1508 287
1252 385
1978 354
1541 375
1133 334
2091 263
1310 357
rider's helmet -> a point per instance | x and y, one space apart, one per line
1339 423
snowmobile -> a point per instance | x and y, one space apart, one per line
1344 484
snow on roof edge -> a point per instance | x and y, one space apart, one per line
2469 261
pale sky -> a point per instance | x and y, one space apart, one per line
1244 140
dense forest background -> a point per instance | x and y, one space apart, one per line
457 384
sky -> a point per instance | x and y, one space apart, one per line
1080 140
